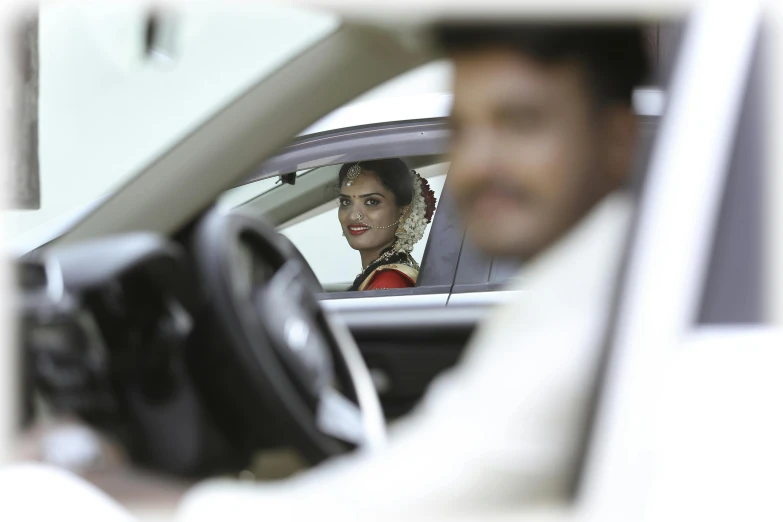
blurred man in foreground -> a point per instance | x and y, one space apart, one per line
543 141
544 135
543 128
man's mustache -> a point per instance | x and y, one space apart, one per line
496 188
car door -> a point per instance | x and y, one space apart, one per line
682 418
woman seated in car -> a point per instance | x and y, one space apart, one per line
384 210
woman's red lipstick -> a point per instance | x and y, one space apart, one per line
357 230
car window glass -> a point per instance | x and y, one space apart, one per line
410 109
244 193
319 238
107 108
423 92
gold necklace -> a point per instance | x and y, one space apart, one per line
408 260
381 257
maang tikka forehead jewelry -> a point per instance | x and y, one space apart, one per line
353 173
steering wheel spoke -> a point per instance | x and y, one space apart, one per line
339 417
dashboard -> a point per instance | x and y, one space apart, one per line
106 326
120 332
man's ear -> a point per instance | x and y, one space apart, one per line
622 132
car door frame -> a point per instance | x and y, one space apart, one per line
657 306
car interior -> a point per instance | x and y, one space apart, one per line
404 348
404 337
224 290
402 355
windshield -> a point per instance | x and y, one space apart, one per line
113 95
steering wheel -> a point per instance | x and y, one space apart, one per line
275 350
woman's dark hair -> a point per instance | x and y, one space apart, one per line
393 174
613 56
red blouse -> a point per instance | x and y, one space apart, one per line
389 279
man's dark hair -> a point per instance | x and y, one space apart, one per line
613 56
393 174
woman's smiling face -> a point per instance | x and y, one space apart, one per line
365 206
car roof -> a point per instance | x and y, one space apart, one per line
384 110
647 102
